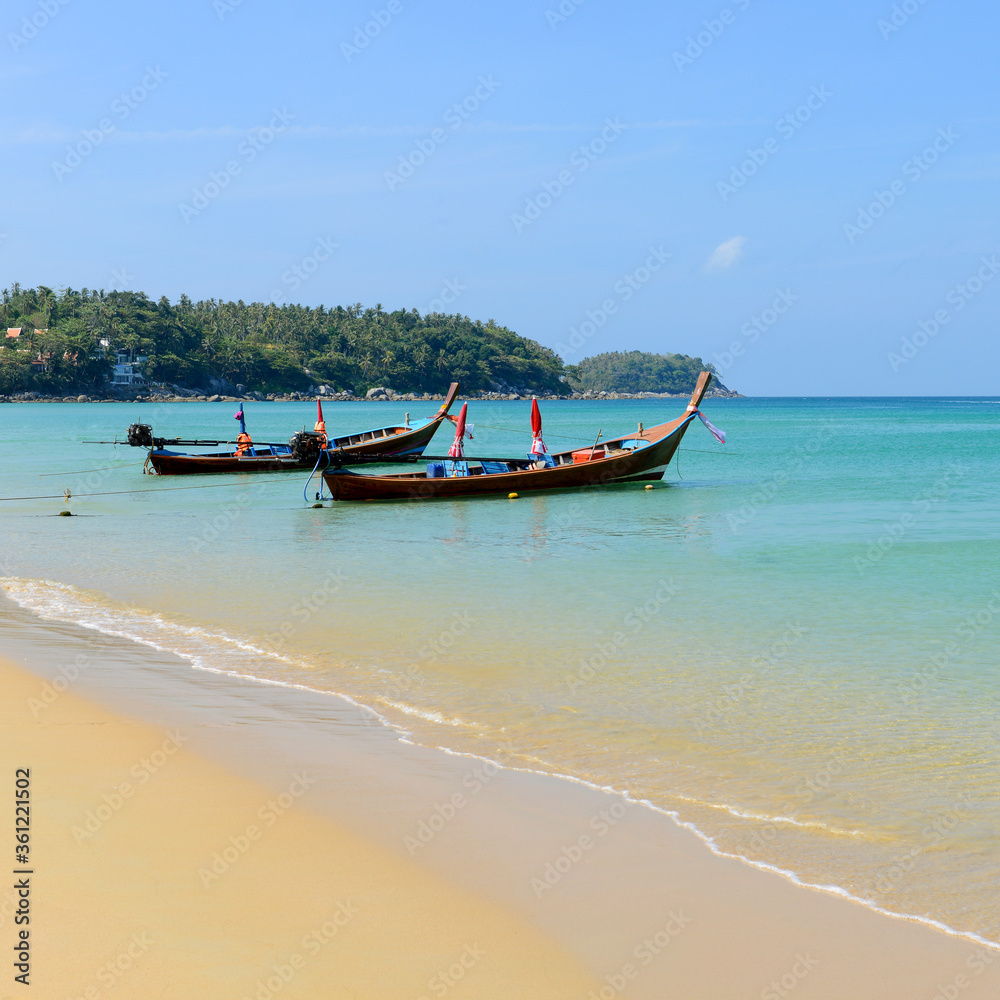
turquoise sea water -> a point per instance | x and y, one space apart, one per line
792 646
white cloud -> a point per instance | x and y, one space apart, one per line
726 254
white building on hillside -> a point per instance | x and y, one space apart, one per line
128 369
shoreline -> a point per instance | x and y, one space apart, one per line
410 397
617 879
221 886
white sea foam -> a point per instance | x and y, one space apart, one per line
212 651
65 603
423 713
813 824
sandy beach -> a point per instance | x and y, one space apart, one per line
363 633
159 874
198 835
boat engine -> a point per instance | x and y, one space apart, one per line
306 446
140 435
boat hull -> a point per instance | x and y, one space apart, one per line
386 444
170 463
638 457
645 465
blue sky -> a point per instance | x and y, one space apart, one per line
804 194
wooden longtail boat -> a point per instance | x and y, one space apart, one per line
306 449
641 456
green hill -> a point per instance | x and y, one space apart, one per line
69 340
637 371
266 347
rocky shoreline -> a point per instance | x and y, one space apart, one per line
378 395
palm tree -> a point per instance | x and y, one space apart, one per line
46 300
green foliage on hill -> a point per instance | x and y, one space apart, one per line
636 371
263 346
271 348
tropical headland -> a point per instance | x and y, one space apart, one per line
85 345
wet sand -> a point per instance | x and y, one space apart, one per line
200 835
157 873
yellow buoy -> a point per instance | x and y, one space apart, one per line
511 496
649 486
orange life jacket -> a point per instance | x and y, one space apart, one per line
243 443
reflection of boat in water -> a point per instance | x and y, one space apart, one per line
639 457
305 450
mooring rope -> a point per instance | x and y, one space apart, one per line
112 493
81 472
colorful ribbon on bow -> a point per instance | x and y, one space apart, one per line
719 436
